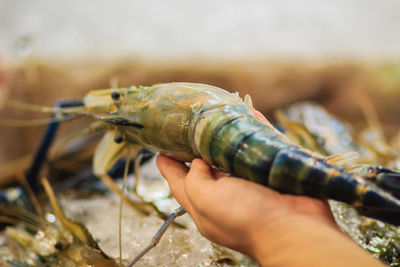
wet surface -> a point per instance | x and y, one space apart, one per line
380 239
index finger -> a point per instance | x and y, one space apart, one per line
175 173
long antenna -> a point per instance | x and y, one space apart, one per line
39 108
31 122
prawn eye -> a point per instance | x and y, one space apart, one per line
115 95
59 245
119 137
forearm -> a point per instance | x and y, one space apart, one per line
304 242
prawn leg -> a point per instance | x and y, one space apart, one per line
32 176
30 182
41 153
156 238
107 153
160 213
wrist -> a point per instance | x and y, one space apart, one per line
301 241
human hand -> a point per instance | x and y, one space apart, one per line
232 211
275 229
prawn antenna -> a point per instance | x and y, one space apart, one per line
30 122
77 108
70 107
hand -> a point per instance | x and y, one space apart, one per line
222 206
231 211
273 228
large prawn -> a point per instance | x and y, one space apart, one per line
188 120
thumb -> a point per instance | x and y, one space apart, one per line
200 183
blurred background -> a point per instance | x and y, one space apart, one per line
203 30
277 51
280 52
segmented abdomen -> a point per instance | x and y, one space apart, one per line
235 141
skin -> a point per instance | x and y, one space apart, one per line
275 229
